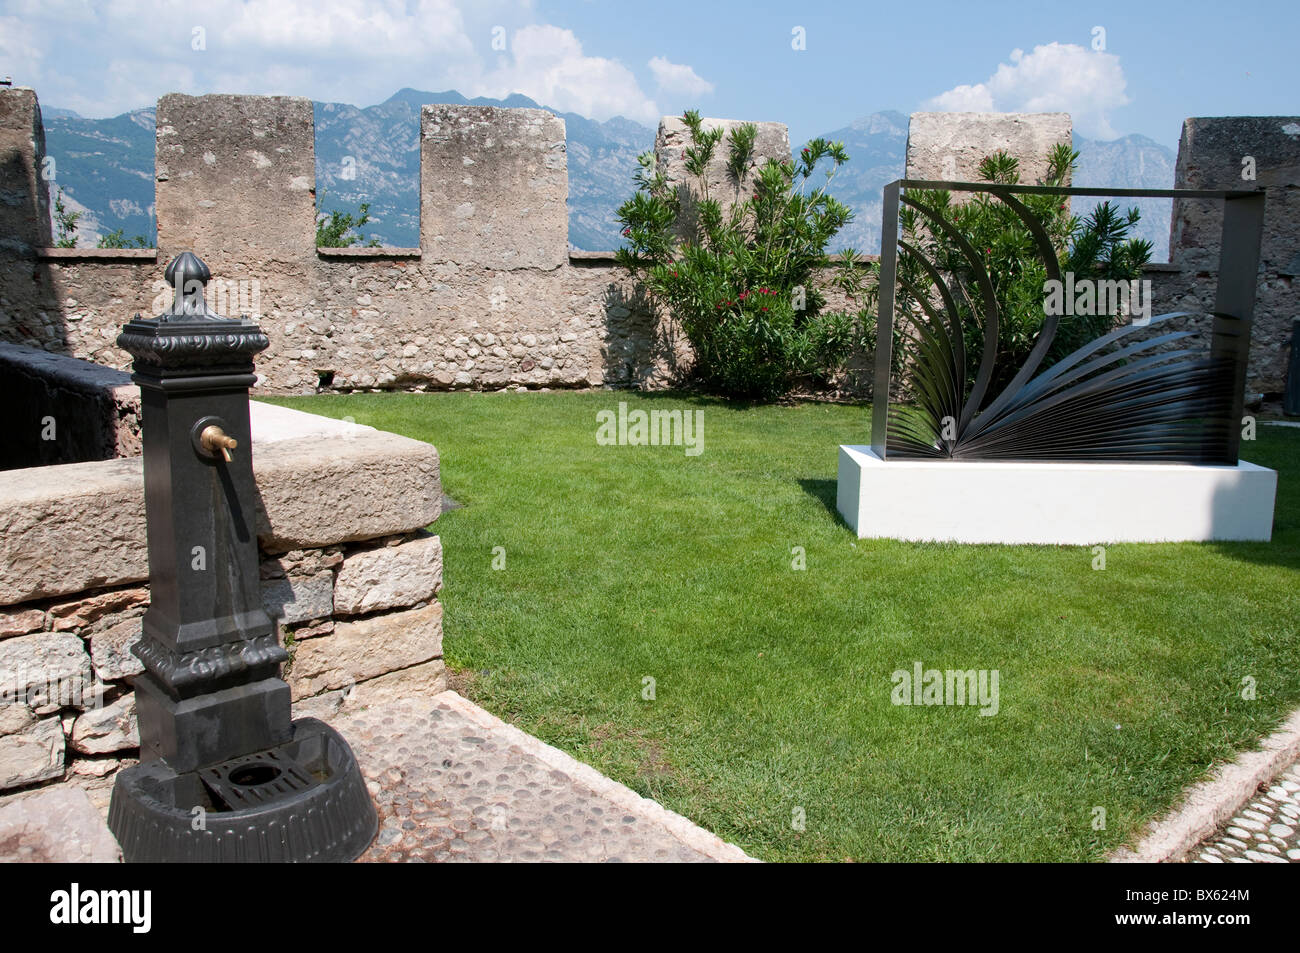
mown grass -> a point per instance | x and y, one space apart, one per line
772 686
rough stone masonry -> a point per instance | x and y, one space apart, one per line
493 298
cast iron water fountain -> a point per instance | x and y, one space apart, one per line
225 773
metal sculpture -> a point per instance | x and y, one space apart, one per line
1123 397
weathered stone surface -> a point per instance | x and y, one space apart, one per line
110 651
21 621
365 649
235 179
951 145
32 755
292 599
424 680
494 187
62 510
389 577
14 717
376 485
60 825
674 137
100 767
80 613
25 212
45 668
1211 155
107 729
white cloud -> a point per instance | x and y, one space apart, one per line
102 59
1056 77
679 78
547 64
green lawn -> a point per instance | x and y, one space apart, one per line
772 686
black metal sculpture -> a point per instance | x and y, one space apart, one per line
225 775
1121 397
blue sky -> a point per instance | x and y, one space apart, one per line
1161 62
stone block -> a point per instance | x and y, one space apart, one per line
44 669
81 613
32 755
21 622
674 137
494 184
235 180
366 648
56 826
389 577
293 599
424 680
310 495
14 717
61 510
110 651
108 729
951 145
1212 154
374 485
25 210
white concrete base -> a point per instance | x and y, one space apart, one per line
1053 503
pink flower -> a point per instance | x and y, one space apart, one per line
626 232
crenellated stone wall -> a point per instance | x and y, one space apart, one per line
493 297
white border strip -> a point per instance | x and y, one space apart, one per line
1210 803
684 830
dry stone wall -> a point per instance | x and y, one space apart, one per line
349 572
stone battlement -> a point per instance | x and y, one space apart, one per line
493 297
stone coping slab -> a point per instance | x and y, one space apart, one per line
65 529
453 782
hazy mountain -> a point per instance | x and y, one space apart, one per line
1132 162
105 167
384 143
877 148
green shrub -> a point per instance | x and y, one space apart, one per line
1095 247
65 223
117 239
745 285
339 229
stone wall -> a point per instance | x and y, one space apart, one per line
64 410
493 298
349 573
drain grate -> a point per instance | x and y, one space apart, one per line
256 779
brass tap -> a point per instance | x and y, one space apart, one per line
214 440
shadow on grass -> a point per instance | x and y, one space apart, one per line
824 492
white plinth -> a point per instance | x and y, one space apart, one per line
1053 503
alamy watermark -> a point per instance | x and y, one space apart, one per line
654 428
932 686
1087 297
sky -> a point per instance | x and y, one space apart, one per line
1118 68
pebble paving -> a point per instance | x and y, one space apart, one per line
1264 831
449 788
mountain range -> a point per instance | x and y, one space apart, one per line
105 169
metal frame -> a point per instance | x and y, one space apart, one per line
1133 404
